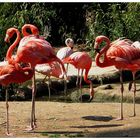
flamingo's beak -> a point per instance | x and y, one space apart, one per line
7 40
91 98
96 48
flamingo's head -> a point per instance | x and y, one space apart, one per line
98 41
69 42
9 34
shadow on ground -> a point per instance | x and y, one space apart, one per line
98 118
99 126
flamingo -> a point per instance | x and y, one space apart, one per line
123 55
81 61
66 51
52 69
31 50
11 74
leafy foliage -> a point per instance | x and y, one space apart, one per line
82 21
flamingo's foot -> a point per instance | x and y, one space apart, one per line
9 134
134 115
29 128
119 119
34 125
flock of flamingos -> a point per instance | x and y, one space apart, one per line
34 53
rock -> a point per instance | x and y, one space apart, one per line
108 87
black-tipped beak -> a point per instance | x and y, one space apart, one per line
97 50
91 98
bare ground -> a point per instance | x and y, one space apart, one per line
55 119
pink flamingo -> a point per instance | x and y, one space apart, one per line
66 51
11 74
31 50
123 55
82 61
51 69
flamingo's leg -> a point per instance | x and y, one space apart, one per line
49 82
34 94
80 84
133 73
33 119
67 66
122 90
81 76
44 79
77 81
7 114
65 88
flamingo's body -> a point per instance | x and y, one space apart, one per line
51 69
31 50
123 55
64 53
81 61
10 74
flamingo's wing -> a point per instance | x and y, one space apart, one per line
64 52
125 64
6 79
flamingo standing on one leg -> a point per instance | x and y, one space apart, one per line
123 55
11 74
34 51
52 69
81 60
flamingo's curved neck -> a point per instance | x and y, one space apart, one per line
24 30
104 63
89 82
34 30
12 47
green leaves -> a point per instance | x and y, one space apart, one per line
76 20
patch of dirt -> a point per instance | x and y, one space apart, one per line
56 119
